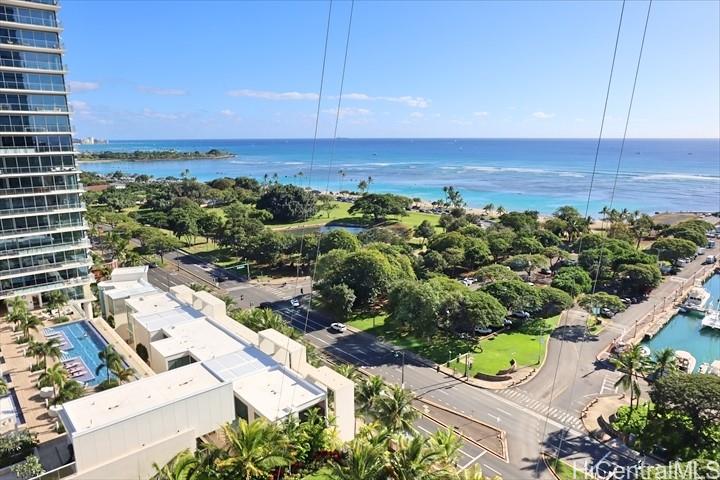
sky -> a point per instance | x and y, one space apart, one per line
243 69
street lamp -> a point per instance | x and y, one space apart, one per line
398 354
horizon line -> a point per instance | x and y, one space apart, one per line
398 138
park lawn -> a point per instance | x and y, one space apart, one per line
493 354
438 348
339 213
324 473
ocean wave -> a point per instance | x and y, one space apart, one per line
678 176
381 164
571 174
505 169
293 163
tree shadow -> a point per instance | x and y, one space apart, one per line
573 333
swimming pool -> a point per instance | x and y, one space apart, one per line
81 344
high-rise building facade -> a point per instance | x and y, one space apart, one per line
43 237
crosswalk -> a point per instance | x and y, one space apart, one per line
556 414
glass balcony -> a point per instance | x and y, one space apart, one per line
44 189
32 64
44 2
44 287
22 17
38 169
57 247
38 149
49 208
72 263
24 107
36 129
45 228
34 43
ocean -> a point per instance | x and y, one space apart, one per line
519 174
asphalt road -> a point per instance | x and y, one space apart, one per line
541 415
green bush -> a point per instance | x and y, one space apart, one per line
15 446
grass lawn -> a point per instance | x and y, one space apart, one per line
324 473
566 471
526 345
490 355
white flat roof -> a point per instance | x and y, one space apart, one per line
153 302
125 289
277 393
129 400
158 320
199 337
270 388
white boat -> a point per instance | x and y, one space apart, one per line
711 319
710 368
685 361
696 300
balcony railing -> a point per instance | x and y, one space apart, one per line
47 208
36 65
57 247
46 189
38 149
53 44
24 107
58 473
42 169
35 129
43 228
65 264
42 287
30 20
34 86
44 2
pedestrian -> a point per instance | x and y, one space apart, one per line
302 292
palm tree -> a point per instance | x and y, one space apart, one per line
362 186
51 349
4 390
414 458
123 374
69 391
632 364
348 371
500 210
55 377
447 444
55 300
183 466
27 324
18 311
254 450
489 208
605 212
664 361
368 393
365 460
34 350
110 360
394 409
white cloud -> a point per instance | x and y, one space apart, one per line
227 113
79 106
266 95
543 115
349 112
417 114
174 92
148 113
407 100
481 114
76 87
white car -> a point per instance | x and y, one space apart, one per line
295 302
338 327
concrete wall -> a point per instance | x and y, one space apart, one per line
161 430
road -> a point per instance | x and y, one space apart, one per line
536 417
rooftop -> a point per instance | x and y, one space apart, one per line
199 337
128 400
125 289
158 320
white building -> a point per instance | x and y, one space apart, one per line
210 371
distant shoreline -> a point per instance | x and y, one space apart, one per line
143 160
152 156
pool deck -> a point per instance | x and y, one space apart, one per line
18 365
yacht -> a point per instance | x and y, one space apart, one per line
685 361
710 368
711 319
696 300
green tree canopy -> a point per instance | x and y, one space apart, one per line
572 280
339 239
515 295
672 249
601 300
380 205
287 203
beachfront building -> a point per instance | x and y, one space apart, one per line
210 370
43 240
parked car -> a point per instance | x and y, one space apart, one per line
295 302
482 331
520 314
338 327
607 313
710 260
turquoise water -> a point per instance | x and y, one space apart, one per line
85 343
683 332
655 175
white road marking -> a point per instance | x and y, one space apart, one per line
490 468
472 460
503 411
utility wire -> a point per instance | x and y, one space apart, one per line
587 206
